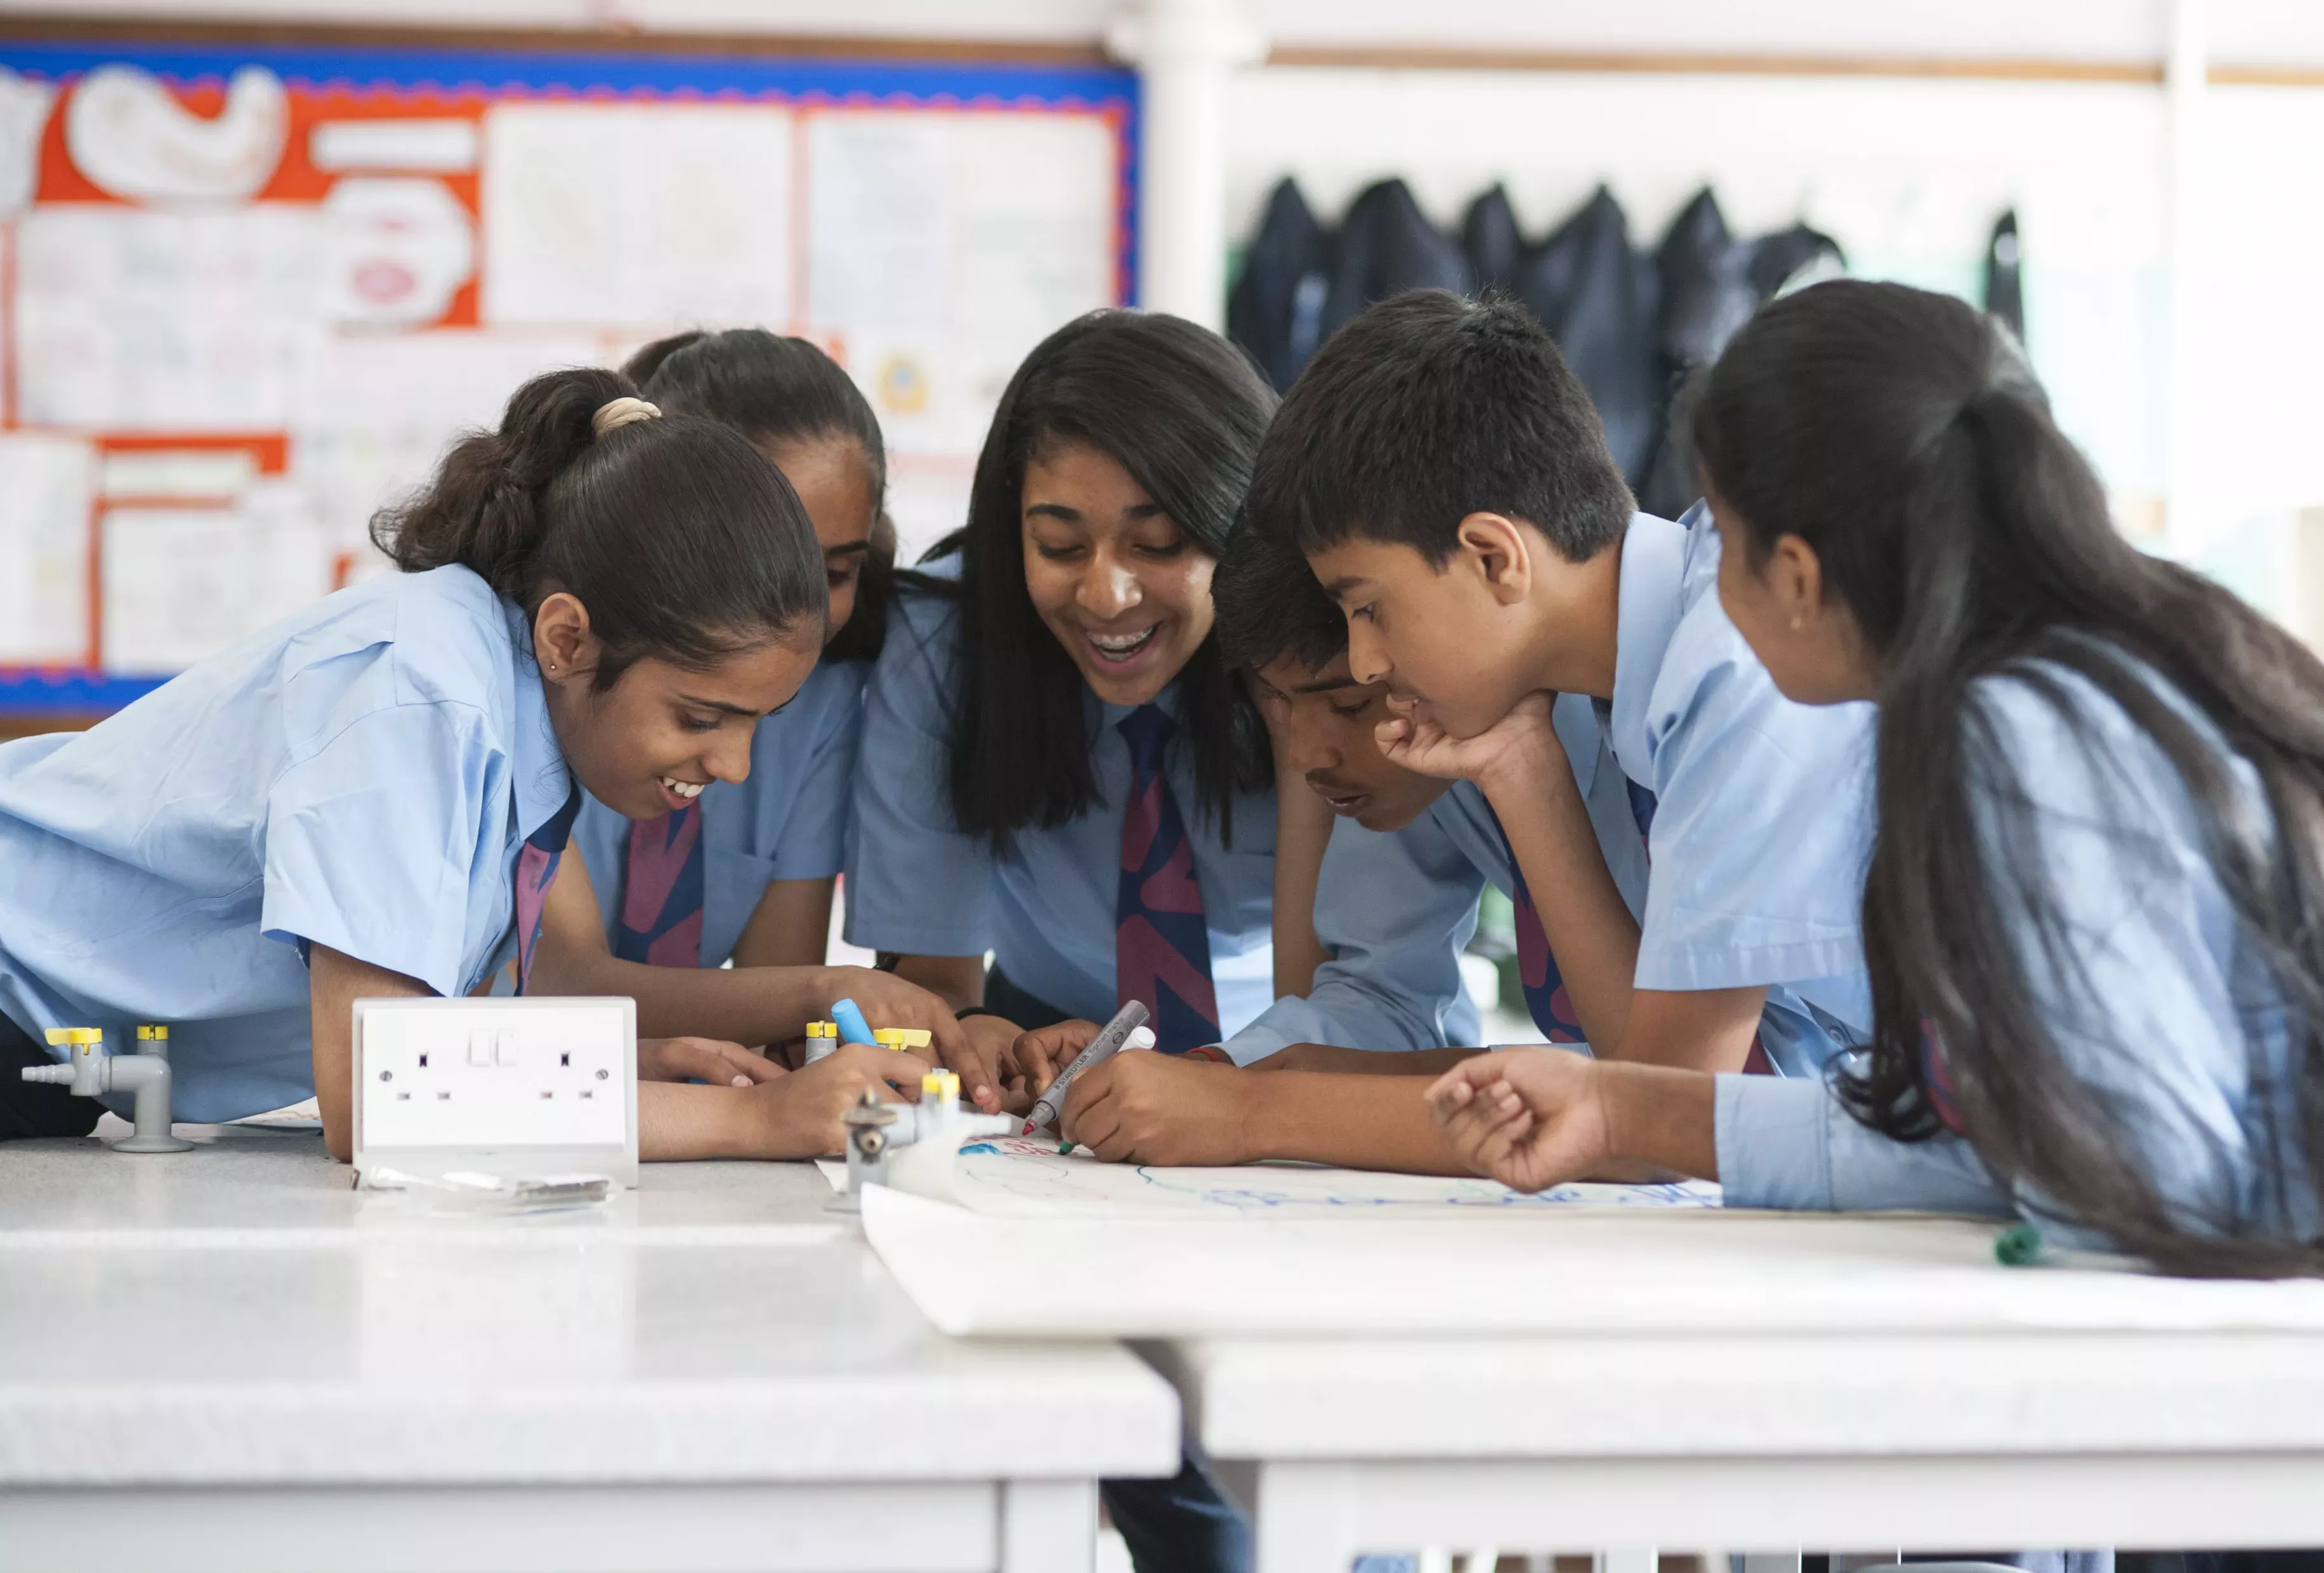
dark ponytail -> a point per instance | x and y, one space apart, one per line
777 391
1901 436
681 540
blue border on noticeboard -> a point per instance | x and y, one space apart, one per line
41 691
581 74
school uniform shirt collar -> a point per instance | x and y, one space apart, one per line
1110 715
535 762
1651 601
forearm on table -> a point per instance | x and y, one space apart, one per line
1351 1121
1665 1117
679 1120
334 981
1331 1057
1700 1030
1303 830
741 1005
957 980
1583 917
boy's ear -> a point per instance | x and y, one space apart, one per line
1499 551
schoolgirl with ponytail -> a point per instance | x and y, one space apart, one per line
2092 915
656 907
372 797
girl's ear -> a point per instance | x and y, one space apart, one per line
1502 553
1795 574
562 640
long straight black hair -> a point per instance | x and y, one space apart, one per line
1182 411
776 390
1903 437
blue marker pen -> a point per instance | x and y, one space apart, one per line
853 1027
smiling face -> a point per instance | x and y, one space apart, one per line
833 483
649 745
1323 719
1124 589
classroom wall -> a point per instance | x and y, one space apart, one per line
1909 175
1908 171
2117 30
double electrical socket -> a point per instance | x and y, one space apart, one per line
517 1088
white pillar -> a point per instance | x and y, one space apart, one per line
1186 53
2186 80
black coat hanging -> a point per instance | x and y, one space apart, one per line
1490 239
2005 288
1597 296
1706 296
1385 247
1276 309
1779 258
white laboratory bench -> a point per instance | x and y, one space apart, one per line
1541 1380
229 1361
1927 1441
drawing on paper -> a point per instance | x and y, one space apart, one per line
1024 1177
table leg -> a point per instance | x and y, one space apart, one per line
1048 1526
1305 1518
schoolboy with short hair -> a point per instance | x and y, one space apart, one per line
1396 900
1442 472
1444 476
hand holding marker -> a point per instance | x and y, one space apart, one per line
1112 1039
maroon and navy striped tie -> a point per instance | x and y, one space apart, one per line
661 892
536 871
1161 943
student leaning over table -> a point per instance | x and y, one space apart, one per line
2090 919
656 908
370 797
1695 838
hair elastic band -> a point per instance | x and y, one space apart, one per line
622 411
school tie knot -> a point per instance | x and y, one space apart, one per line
1162 944
1147 730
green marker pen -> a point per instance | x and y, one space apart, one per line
2018 1246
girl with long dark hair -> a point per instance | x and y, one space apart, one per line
372 797
744 872
1057 767
2092 915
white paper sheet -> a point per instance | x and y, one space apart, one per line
1026 1177
626 214
378 410
1519 1271
46 483
395 250
942 246
129 319
130 135
182 584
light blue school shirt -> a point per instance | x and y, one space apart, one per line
362 774
1756 859
1394 908
1763 810
788 820
1044 907
2165 1008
